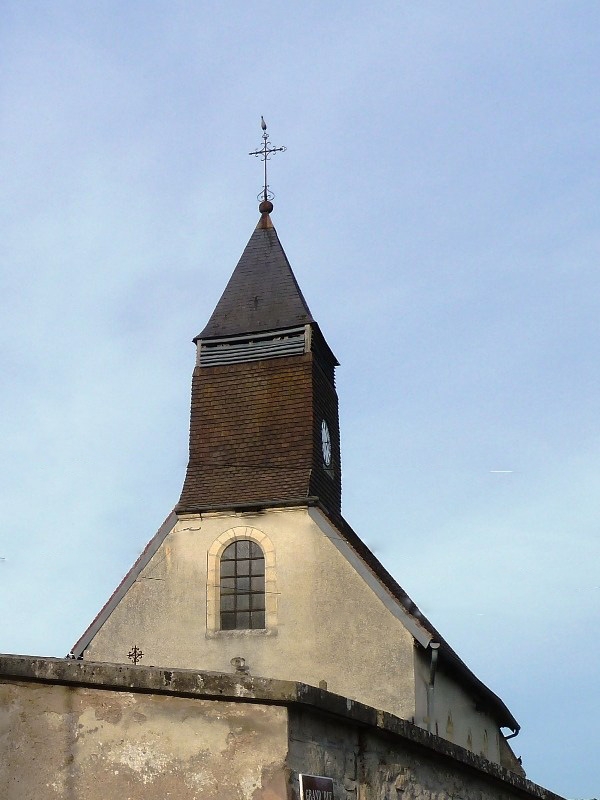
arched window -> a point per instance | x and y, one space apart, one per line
221 554
242 586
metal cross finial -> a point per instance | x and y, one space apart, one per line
265 151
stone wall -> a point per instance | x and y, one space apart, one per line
76 743
76 730
370 764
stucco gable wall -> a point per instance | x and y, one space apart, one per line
325 622
455 715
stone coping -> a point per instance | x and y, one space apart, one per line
240 687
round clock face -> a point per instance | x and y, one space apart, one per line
326 444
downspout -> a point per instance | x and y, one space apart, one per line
512 735
435 646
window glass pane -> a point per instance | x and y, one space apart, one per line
255 551
257 584
242 584
227 621
243 549
243 567
257 566
242 619
257 602
227 568
227 585
228 602
228 553
243 602
258 619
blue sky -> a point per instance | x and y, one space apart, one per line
439 204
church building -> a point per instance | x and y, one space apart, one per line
255 571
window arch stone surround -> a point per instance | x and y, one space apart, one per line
213 627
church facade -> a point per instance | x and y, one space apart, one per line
256 572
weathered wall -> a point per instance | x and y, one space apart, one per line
455 715
76 730
370 763
67 743
329 623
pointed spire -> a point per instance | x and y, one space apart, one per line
262 293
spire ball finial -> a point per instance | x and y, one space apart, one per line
265 207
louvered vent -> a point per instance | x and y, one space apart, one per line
251 347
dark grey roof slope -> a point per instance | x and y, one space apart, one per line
262 294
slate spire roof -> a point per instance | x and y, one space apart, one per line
262 294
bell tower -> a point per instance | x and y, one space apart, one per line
264 428
256 565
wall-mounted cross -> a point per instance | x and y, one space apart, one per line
135 654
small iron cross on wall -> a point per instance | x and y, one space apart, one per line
135 654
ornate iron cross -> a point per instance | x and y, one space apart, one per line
265 151
135 654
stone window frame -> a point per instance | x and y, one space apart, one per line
213 573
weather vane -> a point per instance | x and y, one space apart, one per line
265 151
